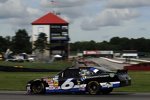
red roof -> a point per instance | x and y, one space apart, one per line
48 19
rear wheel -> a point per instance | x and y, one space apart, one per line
38 88
93 87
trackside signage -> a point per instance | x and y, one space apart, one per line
96 52
90 52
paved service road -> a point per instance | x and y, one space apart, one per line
108 64
112 96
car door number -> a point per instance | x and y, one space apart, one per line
68 84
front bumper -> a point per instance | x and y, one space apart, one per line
125 83
124 78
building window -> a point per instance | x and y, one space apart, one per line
64 33
40 29
55 35
55 26
64 27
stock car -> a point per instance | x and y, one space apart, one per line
91 80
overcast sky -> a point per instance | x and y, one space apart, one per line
89 19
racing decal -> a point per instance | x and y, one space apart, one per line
76 88
116 84
100 76
50 82
82 87
111 75
51 87
106 85
53 83
68 84
78 82
110 84
94 70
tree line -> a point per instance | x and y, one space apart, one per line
21 43
115 44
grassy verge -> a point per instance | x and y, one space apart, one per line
54 65
17 81
140 82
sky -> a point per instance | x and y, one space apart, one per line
96 20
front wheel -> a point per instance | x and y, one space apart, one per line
38 88
93 87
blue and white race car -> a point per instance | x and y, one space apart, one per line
92 80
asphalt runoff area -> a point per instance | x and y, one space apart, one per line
21 95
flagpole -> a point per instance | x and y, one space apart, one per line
52 8
53 4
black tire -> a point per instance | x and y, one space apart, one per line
107 91
93 87
37 88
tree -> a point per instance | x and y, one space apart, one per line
5 43
21 42
103 46
115 43
41 42
2 44
115 40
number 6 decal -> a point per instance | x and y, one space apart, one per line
68 84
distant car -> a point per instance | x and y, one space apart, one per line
91 80
16 59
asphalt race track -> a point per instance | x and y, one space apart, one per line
112 96
108 64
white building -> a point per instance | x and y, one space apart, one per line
129 54
57 33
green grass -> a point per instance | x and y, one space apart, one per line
18 80
54 65
140 82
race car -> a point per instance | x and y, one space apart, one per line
91 80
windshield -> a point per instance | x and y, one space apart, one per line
92 71
103 69
97 70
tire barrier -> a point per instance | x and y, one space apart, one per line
21 69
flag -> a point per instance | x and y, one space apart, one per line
53 2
